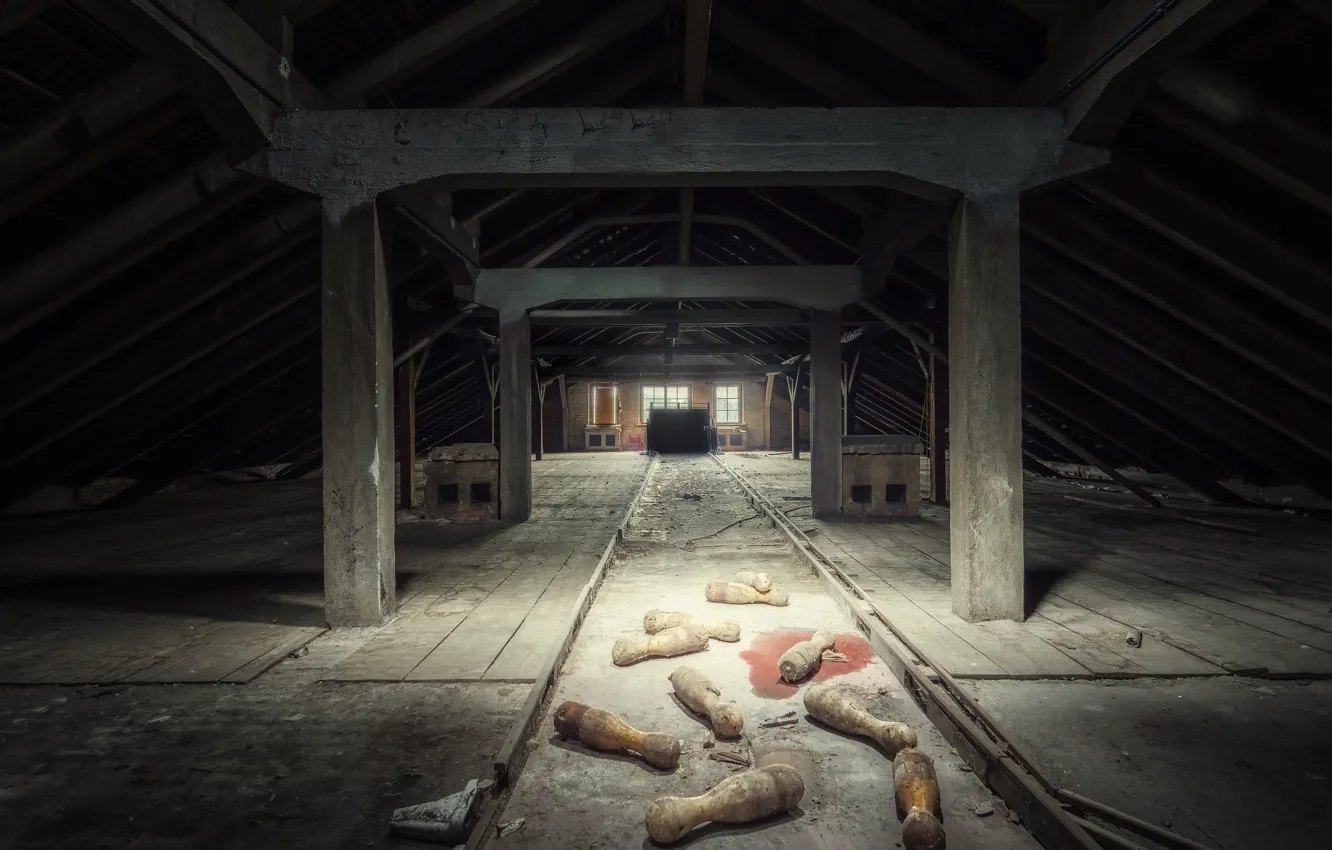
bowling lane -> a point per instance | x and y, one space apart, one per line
571 796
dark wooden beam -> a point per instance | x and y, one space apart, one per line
801 65
238 77
233 365
573 235
1103 71
913 45
1077 232
1181 396
1182 351
16 13
1027 416
698 24
423 49
614 24
43 157
1220 235
101 390
89 340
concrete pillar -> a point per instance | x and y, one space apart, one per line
825 412
405 398
540 426
357 343
793 390
985 410
938 412
515 392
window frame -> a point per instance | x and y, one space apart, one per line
739 404
644 411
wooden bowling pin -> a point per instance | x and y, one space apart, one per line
702 697
659 621
847 714
742 798
917 791
759 581
743 594
802 660
602 730
679 640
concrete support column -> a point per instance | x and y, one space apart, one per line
985 410
793 390
825 412
938 411
357 344
405 397
515 391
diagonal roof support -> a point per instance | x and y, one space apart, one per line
1101 73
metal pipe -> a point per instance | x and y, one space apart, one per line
1157 13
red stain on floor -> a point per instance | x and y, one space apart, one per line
767 648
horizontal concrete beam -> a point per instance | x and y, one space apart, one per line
930 151
816 287
708 350
755 372
661 318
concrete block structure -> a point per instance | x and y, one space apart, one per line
462 483
881 475
601 438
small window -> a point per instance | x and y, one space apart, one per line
610 440
728 405
894 492
861 494
737 439
480 492
594 440
448 494
673 397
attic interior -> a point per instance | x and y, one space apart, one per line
375 373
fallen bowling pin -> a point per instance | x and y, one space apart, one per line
602 730
845 713
700 696
742 594
759 581
743 798
679 640
659 621
917 792
802 660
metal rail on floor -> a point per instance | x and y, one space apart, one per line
981 742
512 752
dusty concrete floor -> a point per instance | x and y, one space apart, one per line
570 796
292 759
1233 763
254 766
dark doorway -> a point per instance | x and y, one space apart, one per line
679 431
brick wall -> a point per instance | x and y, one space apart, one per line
633 433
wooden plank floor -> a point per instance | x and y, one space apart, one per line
1209 600
488 608
219 585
